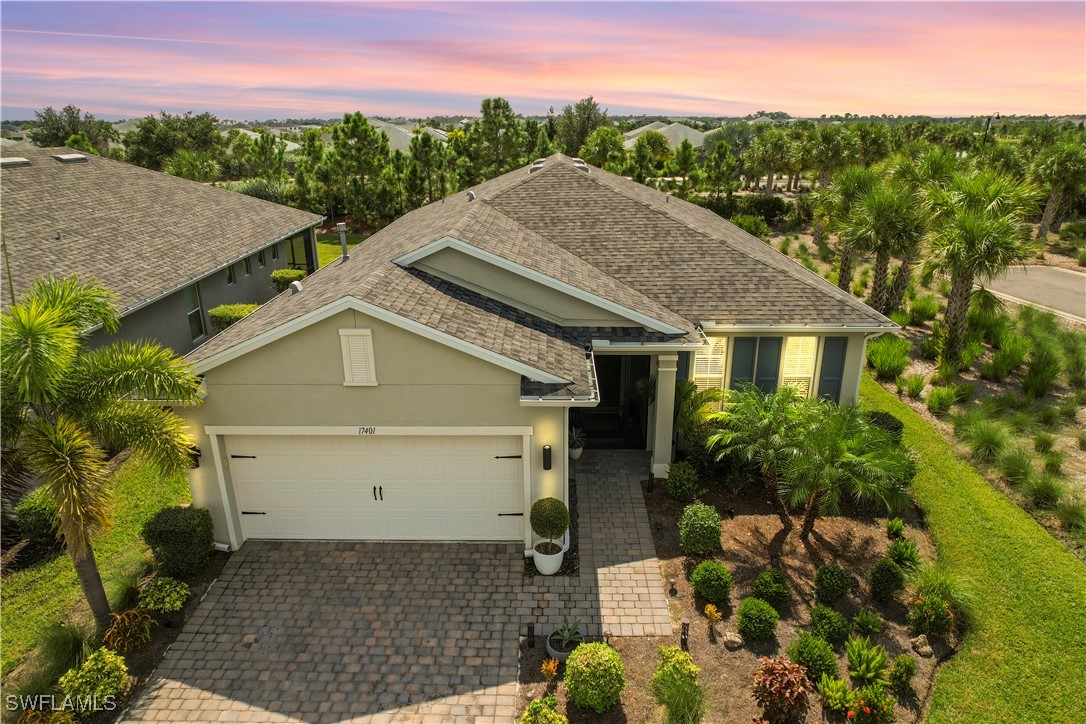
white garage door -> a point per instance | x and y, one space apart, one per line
379 487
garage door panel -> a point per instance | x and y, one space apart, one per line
434 487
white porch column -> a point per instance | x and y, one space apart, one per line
667 365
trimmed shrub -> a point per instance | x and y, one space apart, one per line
931 615
986 439
836 694
894 427
783 691
102 674
752 225
675 686
829 625
941 399
902 673
682 482
772 587
224 315
181 540
757 620
699 530
914 385
128 631
542 711
886 579
282 278
549 518
871 705
867 622
164 595
905 553
595 677
712 581
36 515
1041 373
867 663
815 655
831 584
889 356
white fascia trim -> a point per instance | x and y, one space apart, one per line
888 327
449 242
559 402
351 303
336 430
605 347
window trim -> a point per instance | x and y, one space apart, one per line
199 311
247 266
231 276
261 259
345 337
275 251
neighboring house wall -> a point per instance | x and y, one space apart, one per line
297 381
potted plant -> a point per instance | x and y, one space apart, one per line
550 520
565 638
577 440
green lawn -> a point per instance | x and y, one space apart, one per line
328 248
1024 659
35 597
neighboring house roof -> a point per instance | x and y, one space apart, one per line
675 133
620 242
399 137
291 146
141 233
123 127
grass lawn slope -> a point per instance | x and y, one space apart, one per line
48 591
1025 657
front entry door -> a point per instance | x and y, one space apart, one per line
620 420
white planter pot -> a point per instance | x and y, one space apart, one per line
555 653
575 453
548 565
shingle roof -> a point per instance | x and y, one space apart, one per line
621 240
139 232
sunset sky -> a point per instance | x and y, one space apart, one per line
263 60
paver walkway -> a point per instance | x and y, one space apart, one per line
404 632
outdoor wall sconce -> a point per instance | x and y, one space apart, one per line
546 457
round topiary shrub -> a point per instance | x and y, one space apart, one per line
829 625
886 579
36 515
102 674
832 584
595 677
712 581
181 540
815 655
757 620
902 673
699 530
283 277
682 482
542 711
549 518
772 587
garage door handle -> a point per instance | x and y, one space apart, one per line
375 492
252 512
507 457
247 457
512 515
381 490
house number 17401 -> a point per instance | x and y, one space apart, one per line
367 431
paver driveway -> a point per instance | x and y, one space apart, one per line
419 632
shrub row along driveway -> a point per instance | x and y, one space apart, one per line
329 632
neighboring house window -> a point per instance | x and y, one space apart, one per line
195 312
248 265
275 252
231 275
708 373
799 364
833 368
358 366
296 252
757 360
260 259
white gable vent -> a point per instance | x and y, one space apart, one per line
70 157
358 366
13 161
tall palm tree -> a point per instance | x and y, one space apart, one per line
65 404
835 204
1061 167
883 222
980 232
774 149
844 455
764 429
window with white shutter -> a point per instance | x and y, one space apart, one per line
358 367
708 372
799 364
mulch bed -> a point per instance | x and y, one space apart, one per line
855 541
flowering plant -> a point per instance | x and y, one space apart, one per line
871 705
549 669
931 615
713 614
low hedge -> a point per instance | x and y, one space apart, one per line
283 277
224 315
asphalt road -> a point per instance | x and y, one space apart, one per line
1060 290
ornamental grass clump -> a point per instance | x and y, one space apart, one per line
888 356
941 399
675 686
986 439
1044 490
1015 464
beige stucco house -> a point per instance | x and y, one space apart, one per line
424 387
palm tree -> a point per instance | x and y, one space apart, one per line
835 204
884 222
980 232
773 148
693 406
764 429
65 404
844 455
1063 168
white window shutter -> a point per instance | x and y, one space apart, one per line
358 365
710 362
799 363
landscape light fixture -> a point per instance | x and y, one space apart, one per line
672 591
684 637
774 560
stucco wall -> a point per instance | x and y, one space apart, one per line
298 381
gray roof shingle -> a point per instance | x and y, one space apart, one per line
141 233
